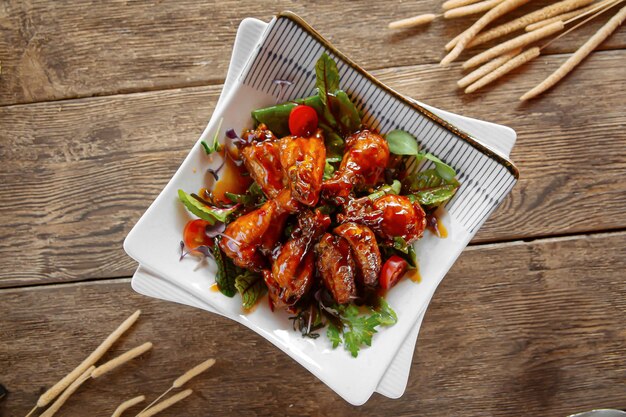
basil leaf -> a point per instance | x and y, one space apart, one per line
444 170
402 143
226 271
326 77
400 244
334 145
210 214
251 287
430 188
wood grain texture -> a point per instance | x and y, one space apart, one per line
76 175
514 329
53 50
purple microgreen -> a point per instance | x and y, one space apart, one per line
182 251
215 171
214 230
230 133
204 250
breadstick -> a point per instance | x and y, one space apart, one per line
471 9
498 11
580 54
122 359
413 21
166 403
53 392
453 4
520 41
509 66
566 16
521 22
68 392
487 68
127 404
184 378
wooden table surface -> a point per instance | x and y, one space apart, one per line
100 102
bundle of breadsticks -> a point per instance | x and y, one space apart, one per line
553 21
69 384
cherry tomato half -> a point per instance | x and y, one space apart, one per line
194 234
393 269
302 121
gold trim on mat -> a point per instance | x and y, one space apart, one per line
458 132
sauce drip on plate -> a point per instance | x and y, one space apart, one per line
435 225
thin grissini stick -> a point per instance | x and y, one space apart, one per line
122 359
68 392
471 9
413 21
487 68
508 66
518 42
579 24
521 22
127 404
166 403
453 4
53 392
577 57
184 378
566 16
467 36
450 45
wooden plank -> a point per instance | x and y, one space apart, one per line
89 168
517 328
64 49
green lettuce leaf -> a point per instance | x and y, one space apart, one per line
210 214
326 77
386 315
328 171
251 287
226 271
394 188
431 189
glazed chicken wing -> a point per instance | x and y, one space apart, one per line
364 161
303 161
262 160
335 264
293 269
365 250
389 216
251 237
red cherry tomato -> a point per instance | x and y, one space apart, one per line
194 234
393 269
302 121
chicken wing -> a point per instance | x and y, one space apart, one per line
335 264
293 269
253 236
262 160
364 161
365 250
389 216
303 161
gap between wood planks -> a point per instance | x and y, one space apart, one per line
220 81
470 248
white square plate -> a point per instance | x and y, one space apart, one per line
288 49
